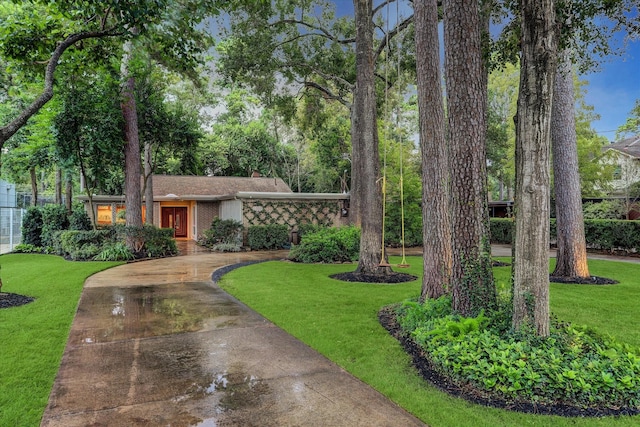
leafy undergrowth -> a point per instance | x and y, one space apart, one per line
574 371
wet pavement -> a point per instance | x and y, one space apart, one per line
156 343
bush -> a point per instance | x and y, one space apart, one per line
268 237
32 227
27 248
502 230
226 247
158 242
573 366
222 231
117 251
606 209
54 218
79 220
328 245
82 245
309 228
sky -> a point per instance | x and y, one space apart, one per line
612 90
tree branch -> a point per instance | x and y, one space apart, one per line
327 94
325 33
398 28
14 126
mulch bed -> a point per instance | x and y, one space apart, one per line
8 300
421 361
592 280
389 278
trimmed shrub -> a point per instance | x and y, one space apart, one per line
79 220
308 228
81 245
32 227
268 237
328 245
502 230
54 218
222 231
158 242
606 209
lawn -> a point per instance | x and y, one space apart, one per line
339 320
33 336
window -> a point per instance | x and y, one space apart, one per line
617 172
104 215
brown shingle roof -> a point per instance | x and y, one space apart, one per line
164 185
629 146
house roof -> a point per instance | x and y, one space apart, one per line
629 146
210 187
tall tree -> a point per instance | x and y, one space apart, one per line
366 190
132 173
533 141
472 284
632 124
437 251
572 247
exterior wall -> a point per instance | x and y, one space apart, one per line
627 170
293 212
206 212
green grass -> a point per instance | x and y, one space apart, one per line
33 336
340 321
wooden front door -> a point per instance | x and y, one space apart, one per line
175 218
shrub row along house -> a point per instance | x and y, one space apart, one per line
188 204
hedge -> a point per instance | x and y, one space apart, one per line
601 234
266 237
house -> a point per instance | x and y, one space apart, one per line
188 204
624 155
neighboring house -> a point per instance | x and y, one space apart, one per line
624 155
188 204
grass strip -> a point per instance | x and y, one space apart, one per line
339 320
33 336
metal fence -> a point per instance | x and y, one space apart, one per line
10 223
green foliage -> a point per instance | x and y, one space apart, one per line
54 218
82 245
116 251
79 219
573 366
222 231
268 237
632 125
27 248
226 247
32 227
308 228
151 241
336 244
613 235
502 230
606 209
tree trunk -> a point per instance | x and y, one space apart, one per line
436 228
533 140
472 279
132 197
572 245
58 186
364 133
68 192
148 183
34 186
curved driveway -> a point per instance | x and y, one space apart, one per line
156 343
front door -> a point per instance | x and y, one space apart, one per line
175 218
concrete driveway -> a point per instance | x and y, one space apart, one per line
156 343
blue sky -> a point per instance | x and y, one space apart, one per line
612 90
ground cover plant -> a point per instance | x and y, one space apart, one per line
340 320
33 336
